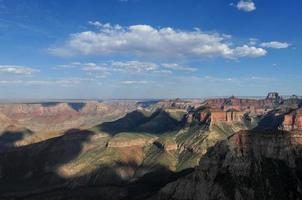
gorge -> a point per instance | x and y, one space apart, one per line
218 148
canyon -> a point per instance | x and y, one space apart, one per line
217 148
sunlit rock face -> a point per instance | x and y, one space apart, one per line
47 120
226 116
60 116
240 104
249 165
293 120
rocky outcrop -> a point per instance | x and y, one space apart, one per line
272 100
203 116
176 104
226 116
248 165
218 116
273 95
293 120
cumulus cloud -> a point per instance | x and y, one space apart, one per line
275 45
246 50
145 40
246 5
13 69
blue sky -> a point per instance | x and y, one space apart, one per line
149 48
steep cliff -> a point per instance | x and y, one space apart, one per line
293 120
249 165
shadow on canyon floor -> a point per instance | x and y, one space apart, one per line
31 172
74 105
157 123
8 138
270 121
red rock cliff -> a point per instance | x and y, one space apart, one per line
293 120
226 116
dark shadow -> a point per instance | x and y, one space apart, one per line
74 105
270 121
77 106
49 104
30 172
35 165
9 138
127 123
146 104
157 123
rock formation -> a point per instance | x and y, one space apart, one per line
293 120
272 100
226 116
246 166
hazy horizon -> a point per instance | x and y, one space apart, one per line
70 100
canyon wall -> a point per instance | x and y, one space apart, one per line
53 116
226 116
293 120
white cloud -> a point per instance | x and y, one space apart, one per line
130 67
60 82
14 69
135 66
219 79
259 78
275 45
175 66
246 50
226 80
163 72
246 5
9 82
253 41
132 82
145 40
